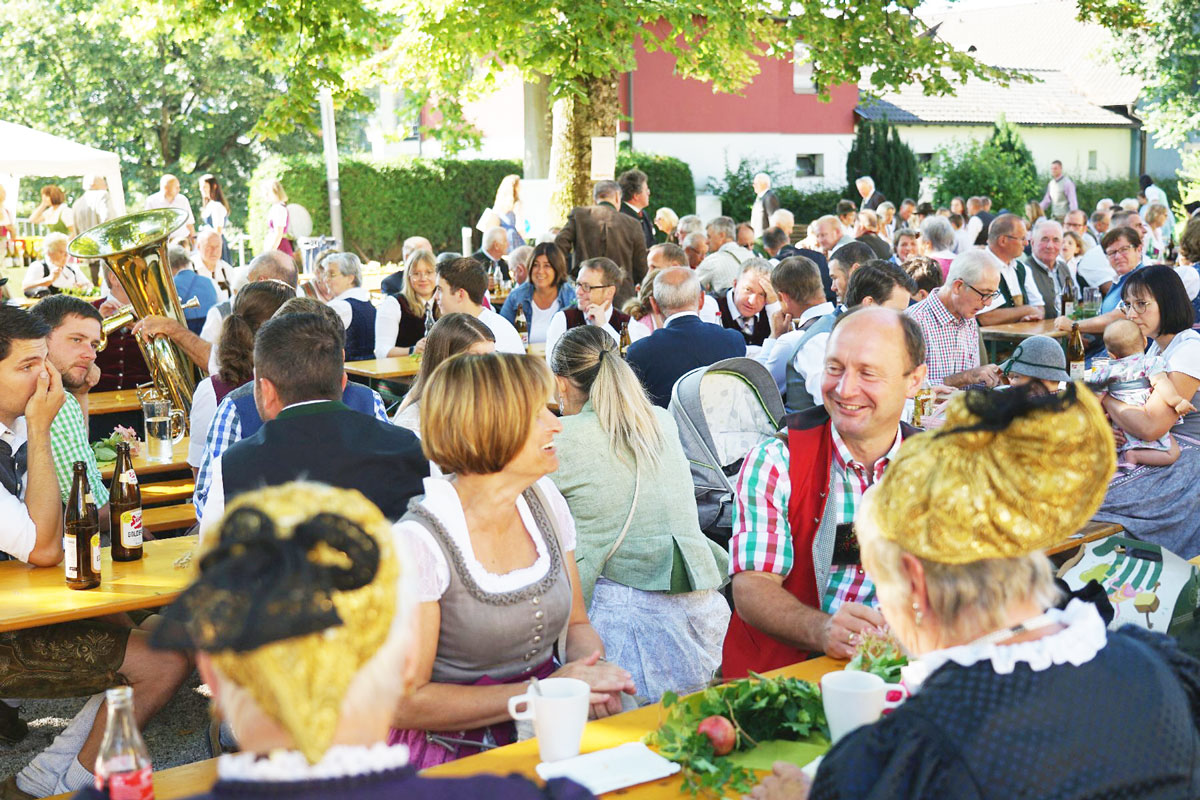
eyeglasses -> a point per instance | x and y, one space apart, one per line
1137 306
985 296
1119 251
583 287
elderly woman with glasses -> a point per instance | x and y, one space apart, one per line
1161 503
1010 691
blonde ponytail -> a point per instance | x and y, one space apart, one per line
589 358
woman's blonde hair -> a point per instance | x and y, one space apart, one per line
966 600
277 190
638 306
508 194
588 358
477 411
1156 214
415 304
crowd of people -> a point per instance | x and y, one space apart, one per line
536 516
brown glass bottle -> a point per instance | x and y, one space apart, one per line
125 508
81 534
625 340
1075 353
522 325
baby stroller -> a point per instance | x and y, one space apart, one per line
723 411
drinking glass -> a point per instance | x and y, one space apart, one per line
164 428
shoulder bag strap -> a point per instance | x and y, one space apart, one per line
541 499
637 485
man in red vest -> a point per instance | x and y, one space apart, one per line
798 584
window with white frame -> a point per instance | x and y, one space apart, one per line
810 165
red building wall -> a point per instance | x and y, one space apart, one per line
664 102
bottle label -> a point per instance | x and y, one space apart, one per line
95 545
1077 370
69 557
134 785
1068 309
131 528
129 477
87 498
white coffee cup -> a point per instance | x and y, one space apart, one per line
559 710
853 698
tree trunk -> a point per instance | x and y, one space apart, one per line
537 128
576 121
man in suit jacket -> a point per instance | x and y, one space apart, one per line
765 204
867 232
491 255
684 342
745 307
309 433
635 196
602 230
871 197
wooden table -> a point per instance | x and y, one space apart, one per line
1088 533
521 757
113 402
34 596
993 335
143 467
382 369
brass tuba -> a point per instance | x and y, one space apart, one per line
135 248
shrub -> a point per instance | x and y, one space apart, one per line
878 151
1006 138
736 190
670 179
384 201
975 168
1091 192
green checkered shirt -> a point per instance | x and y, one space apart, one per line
69 441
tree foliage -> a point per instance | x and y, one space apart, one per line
132 83
977 168
1006 138
879 152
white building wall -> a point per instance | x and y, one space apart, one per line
1073 146
708 154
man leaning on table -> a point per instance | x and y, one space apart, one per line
1019 299
71 347
71 659
798 585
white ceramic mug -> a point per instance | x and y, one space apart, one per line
559 711
853 698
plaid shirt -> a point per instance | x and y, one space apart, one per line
225 429
762 538
951 344
69 443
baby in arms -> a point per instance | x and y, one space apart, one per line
1131 377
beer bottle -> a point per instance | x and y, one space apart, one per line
125 509
1075 351
522 326
625 340
123 769
1067 298
81 534
429 320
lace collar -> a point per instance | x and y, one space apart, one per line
282 766
1078 643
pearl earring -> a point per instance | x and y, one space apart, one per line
917 613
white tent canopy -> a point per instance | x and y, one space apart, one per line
25 151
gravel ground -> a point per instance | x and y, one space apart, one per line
177 735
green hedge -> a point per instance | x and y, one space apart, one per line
736 190
1090 192
384 201
670 180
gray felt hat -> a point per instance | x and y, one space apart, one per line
1038 357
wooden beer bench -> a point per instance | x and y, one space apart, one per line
168 518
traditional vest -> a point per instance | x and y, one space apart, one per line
328 443
796 396
360 335
1004 290
762 323
575 318
812 524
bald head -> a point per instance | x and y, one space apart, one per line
273 264
676 290
413 244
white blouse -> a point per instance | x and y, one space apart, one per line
541 321
442 501
339 761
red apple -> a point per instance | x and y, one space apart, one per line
720 732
